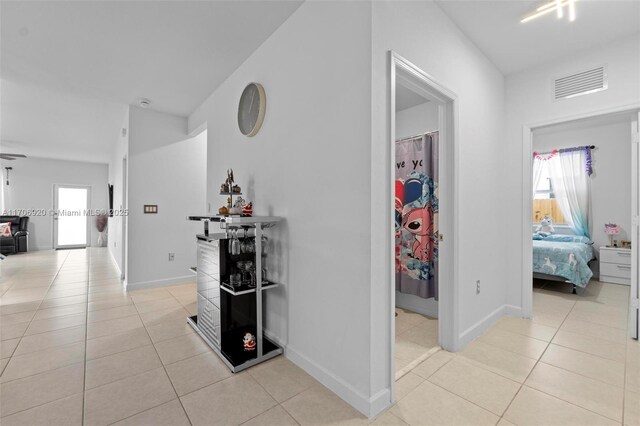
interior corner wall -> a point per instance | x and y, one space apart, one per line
167 168
424 35
116 239
31 185
310 164
530 102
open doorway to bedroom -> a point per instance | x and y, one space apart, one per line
583 262
422 147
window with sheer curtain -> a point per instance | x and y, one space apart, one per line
544 199
561 188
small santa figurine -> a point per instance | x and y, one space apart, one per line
249 341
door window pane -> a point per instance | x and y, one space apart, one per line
72 219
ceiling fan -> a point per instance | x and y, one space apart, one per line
11 157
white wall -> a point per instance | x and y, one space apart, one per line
611 179
310 163
167 168
423 34
529 102
419 119
31 187
117 238
410 122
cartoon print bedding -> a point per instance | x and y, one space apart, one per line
564 259
416 210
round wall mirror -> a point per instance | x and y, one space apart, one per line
253 103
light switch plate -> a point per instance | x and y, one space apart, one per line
150 208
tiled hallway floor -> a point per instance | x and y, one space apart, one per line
416 337
77 349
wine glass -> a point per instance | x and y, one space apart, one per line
235 243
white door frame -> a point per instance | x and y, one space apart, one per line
124 241
634 310
54 219
527 202
448 190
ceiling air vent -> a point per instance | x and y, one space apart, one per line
582 83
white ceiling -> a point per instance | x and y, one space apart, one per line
494 26
69 68
407 98
175 53
46 123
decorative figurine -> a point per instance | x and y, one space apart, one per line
247 210
249 342
227 186
223 210
236 189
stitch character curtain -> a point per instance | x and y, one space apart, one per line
416 210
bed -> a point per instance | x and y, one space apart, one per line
563 257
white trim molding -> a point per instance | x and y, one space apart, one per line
370 407
448 304
160 283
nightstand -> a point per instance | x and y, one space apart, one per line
615 265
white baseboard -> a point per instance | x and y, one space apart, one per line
160 283
513 311
370 407
480 327
115 263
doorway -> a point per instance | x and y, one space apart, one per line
422 116
123 231
612 141
70 220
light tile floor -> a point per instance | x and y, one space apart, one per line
76 349
416 336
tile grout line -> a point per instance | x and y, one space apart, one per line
538 360
64 397
554 396
86 334
219 381
161 362
39 304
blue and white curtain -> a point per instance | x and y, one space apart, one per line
568 174
569 171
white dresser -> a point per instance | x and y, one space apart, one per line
615 265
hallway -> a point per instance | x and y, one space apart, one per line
77 349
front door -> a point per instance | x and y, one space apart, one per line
70 220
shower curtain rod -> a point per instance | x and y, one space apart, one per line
565 149
416 136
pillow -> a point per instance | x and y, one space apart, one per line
560 238
5 229
537 236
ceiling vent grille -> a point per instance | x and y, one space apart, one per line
582 83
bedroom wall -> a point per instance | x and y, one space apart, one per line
166 168
310 164
31 187
424 35
611 179
410 122
529 101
